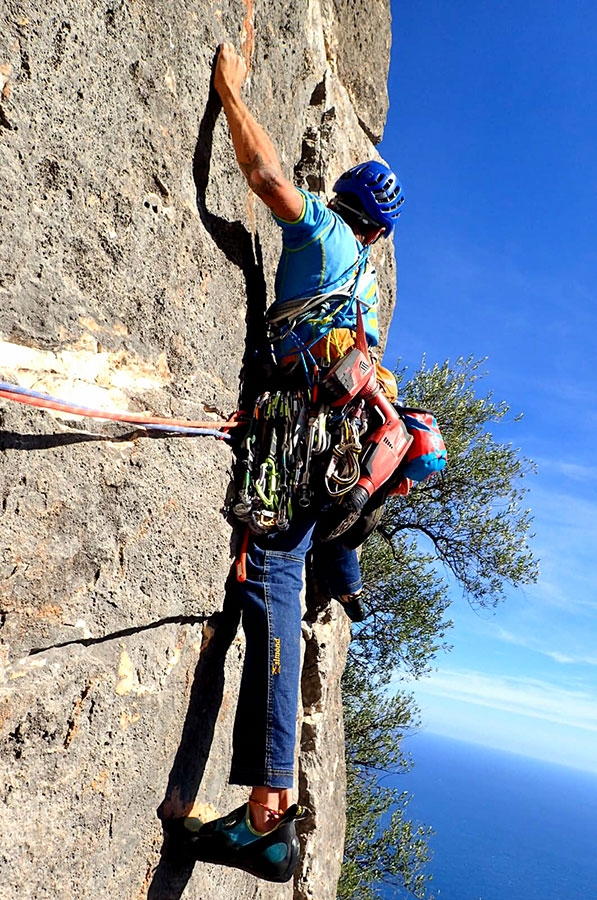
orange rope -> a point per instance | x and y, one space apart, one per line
131 418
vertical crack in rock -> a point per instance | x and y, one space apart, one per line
312 166
73 722
322 783
373 137
248 34
23 46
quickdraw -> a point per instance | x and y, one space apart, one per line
294 441
343 470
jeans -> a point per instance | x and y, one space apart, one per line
265 725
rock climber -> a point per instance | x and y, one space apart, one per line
323 250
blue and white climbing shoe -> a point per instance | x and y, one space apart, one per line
232 841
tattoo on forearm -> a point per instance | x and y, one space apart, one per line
253 165
269 176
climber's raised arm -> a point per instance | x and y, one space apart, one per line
254 150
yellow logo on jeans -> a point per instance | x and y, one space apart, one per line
277 660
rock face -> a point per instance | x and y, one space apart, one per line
130 252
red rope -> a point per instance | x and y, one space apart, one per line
133 418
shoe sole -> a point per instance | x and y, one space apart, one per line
225 856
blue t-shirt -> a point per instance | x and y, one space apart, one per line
321 255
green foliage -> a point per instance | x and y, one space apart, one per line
378 849
396 855
469 526
472 513
406 600
407 603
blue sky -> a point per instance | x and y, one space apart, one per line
493 130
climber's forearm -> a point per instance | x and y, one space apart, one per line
255 152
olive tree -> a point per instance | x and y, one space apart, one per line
464 530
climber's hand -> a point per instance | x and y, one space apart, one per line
230 71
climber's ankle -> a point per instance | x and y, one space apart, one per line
266 806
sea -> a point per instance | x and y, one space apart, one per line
507 827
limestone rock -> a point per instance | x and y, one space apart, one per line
130 252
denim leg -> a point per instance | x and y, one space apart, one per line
335 568
265 726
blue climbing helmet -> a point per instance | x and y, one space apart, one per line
378 190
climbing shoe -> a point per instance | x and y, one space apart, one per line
352 606
232 841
